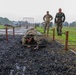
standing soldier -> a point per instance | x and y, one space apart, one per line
47 18
59 19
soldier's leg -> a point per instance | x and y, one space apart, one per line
57 29
45 28
61 29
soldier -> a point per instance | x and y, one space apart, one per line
59 19
30 39
29 32
47 18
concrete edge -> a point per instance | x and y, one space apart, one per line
72 51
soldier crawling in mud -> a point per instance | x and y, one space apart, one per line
59 19
30 39
47 18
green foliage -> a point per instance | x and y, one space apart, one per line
2 26
5 21
40 29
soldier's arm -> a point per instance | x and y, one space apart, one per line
24 42
55 18
63 17
44 17
51 17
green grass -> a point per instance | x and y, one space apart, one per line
72 34
2 26
71 38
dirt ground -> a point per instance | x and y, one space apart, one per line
51 60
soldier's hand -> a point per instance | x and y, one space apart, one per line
28 46
62 21
36 48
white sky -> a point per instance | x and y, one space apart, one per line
17 9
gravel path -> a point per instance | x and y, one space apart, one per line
51 60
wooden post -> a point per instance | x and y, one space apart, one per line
13 32
53 34
6 33
66 41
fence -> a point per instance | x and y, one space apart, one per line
66 46
6 29
53 35
66 37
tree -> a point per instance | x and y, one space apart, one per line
5 21
66 24
73 24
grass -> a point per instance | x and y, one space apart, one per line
3 27
61 39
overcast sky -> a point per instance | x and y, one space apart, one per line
17 9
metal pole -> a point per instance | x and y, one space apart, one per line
66 41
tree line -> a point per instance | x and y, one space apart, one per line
7 21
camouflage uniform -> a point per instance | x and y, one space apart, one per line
47 18
36 42
59 19
29 32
